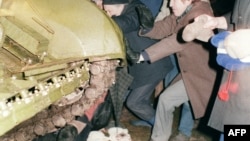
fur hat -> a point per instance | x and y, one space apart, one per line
115 1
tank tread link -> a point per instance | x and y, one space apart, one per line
55 61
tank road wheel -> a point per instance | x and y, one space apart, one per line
57 115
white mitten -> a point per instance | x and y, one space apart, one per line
237 45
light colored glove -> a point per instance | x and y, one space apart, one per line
237 45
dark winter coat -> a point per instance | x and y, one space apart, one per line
193 57
236 110
143 73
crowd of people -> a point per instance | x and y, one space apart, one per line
198 48
157 33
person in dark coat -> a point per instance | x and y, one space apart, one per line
153 5
146 75
232 107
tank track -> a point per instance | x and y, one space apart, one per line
58 114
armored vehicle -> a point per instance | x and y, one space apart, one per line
56 58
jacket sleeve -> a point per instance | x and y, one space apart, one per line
161 29
128 21
165 47
171 41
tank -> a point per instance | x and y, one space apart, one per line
56 58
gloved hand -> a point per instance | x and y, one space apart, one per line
132 56
237 44
196 30
145 16
223 58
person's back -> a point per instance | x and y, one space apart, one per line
146 75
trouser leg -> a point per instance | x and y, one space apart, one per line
187 121
172 97
139 101
221 137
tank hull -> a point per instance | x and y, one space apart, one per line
48 50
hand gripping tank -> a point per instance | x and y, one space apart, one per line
56 58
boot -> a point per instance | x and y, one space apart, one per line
195 30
